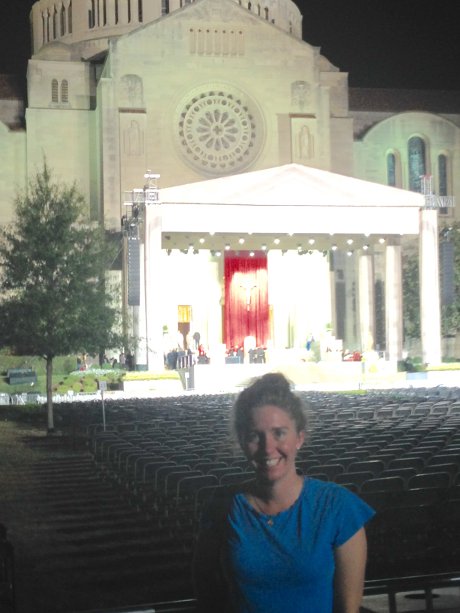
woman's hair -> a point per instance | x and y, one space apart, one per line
270 389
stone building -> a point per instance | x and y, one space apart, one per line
204 91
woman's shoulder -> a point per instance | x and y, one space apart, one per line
329 489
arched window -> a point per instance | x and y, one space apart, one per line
54 91
44 28
54 23
442 174
443 179
129 11
116 11
64 90
266 13
91 15
391 169
69 17
417 162
47 35
104 12
164 7
140 11
62 19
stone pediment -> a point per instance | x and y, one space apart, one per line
202 13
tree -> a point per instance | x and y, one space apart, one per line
54 263
411 295
450 308
450 315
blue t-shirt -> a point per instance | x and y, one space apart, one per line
285 563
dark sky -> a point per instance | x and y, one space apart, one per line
380 43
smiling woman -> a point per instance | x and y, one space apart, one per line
281 542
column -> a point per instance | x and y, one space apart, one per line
153 277
366 301
430 312
139 316
393 301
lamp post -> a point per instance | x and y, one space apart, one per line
142 229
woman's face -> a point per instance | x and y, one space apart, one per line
271 443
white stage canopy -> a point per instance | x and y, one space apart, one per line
290 198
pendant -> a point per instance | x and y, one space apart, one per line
270 522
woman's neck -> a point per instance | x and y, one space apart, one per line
276 497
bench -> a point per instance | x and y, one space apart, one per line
21 376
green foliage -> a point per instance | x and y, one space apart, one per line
411 296
450 313
411 365
54 299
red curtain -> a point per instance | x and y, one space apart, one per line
246 298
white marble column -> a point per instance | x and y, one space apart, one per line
139 315
153 278
393 302
366 301
430 311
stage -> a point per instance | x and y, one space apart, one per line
213 378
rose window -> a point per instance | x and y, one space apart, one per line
218 132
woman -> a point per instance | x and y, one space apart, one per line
282 543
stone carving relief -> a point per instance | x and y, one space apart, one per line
305 143
300 94
303 139
132 91
133 139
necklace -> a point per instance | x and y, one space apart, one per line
270 520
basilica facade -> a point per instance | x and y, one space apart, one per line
196 94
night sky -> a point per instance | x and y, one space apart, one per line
380 43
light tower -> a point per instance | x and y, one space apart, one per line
141 226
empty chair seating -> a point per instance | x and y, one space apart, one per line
237 477
450 468
383 484
410 462
356 478
373 466
405 473
219 472
329 470
426 480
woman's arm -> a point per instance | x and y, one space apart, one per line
350 568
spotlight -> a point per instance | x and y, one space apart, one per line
381 240
350 241
241 241
311 241
349 253
202 240
277 241
251 254
334 247
365 247
264 247
227 247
